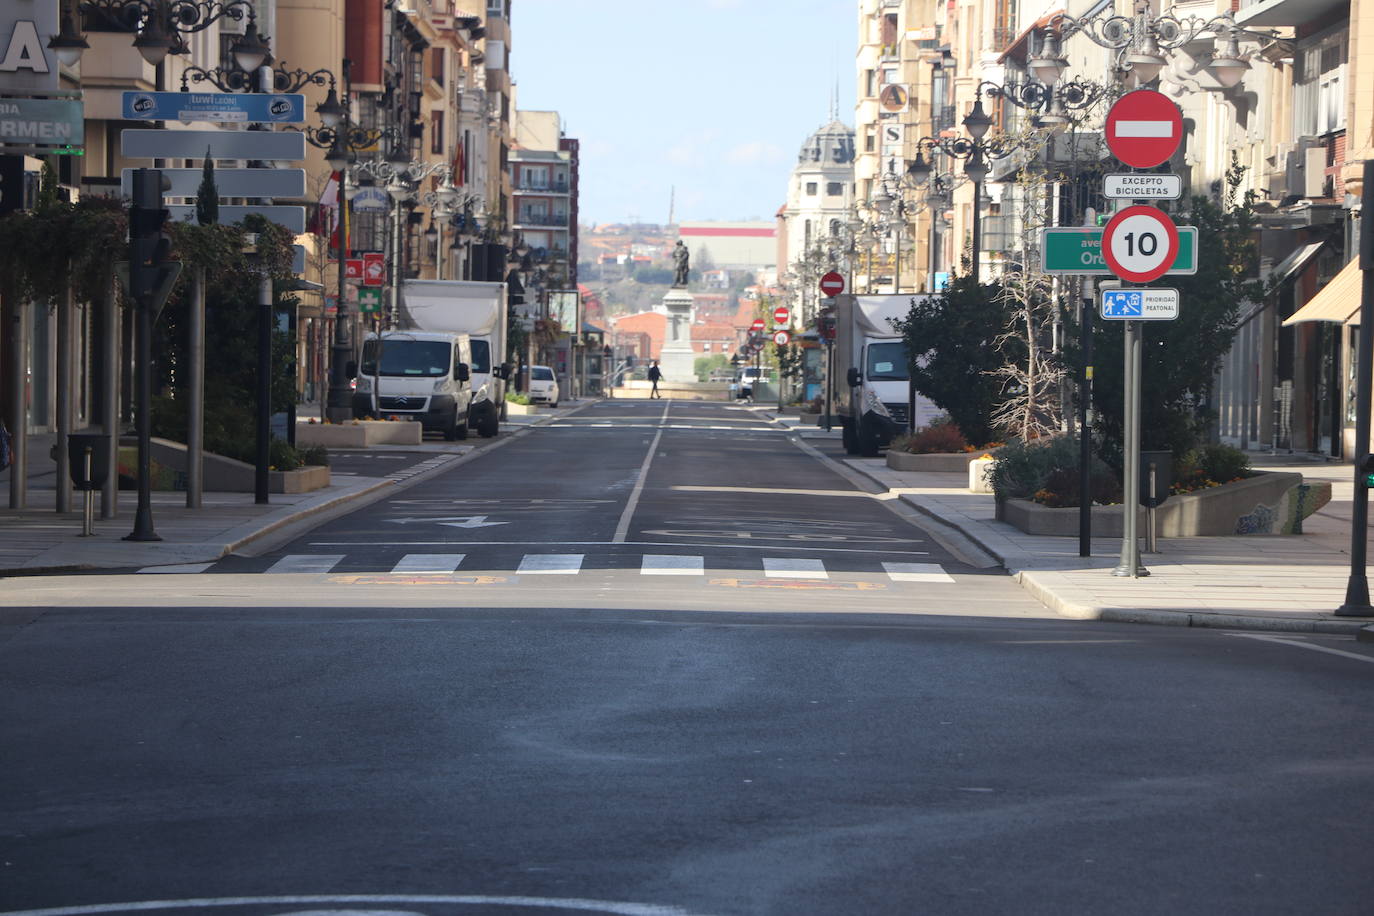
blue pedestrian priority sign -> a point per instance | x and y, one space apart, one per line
1139 304
221 107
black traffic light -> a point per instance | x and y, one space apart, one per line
1367 471
148 246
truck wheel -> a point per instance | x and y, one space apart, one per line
454 430
867 440
851 447
489 425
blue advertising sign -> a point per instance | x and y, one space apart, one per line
215 106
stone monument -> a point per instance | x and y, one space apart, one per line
677 360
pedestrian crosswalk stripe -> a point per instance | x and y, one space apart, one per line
306 563
429 563
550 564
178 568
793 568
916 572
662 564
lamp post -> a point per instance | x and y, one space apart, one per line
159 25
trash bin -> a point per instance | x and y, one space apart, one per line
99 446
1164 477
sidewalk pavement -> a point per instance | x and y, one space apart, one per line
1256 582
38 539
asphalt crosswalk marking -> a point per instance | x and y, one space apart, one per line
793 568
306 563
662 564
550 564
429 563
916 572
571 564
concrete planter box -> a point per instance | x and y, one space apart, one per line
941 462
810 419
221 475
524 410
301 480
363 434
1268 503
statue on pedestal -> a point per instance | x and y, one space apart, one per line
680 257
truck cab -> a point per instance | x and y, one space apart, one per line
419 376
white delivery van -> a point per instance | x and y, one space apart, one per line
423 376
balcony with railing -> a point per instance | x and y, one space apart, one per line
526 218
541 185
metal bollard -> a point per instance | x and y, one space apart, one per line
88 505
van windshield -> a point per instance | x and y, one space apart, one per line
481 355
541 374
886 362
408 357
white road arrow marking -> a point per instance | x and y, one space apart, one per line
451 521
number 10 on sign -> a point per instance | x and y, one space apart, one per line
1139 244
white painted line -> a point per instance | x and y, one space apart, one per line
664 564
305 563
1144 129
916 572
1305 645
178 568
615 907
793 568
623 528
429 563
550 564
696 544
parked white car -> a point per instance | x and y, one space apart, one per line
543 386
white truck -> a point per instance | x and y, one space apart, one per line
462 312
870 386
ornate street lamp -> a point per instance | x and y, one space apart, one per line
159 25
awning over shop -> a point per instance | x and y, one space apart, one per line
1338 300
1294 264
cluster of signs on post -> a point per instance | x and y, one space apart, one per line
1140 243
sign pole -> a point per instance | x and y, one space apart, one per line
1130 472
1357 585
1088 304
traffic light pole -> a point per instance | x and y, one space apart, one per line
1357 586
145 229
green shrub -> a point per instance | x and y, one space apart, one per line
517 397
1062 488
1024 469
283 456
941 436
314 455
1216 463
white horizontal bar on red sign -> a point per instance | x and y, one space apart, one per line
1144 129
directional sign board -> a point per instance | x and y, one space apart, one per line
215 106
1140 243
1144 128
1135 186
1078 250
781 338
1152 304
293 218
222 144
832 284
228 182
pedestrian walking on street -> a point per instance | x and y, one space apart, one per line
654 375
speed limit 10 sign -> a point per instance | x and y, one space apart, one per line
1140 244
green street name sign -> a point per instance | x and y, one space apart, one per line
1078 250
369 300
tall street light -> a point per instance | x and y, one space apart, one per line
158 26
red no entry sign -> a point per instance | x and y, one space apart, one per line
758 324
781 314
832 284
1144 128
1140 244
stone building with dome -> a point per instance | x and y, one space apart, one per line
819 195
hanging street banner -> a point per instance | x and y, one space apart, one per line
1078 250
1152 304
215 106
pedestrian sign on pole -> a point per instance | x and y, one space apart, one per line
369 300
1139 304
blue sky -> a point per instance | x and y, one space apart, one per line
711 97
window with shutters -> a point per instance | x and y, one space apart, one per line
1319 86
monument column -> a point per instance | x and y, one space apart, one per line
677 361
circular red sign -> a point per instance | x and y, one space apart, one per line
781 314
758 324
781 338
1140 244
832 284
1144 128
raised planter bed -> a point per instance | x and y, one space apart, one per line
362 434
523 410
221 474
1272 502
